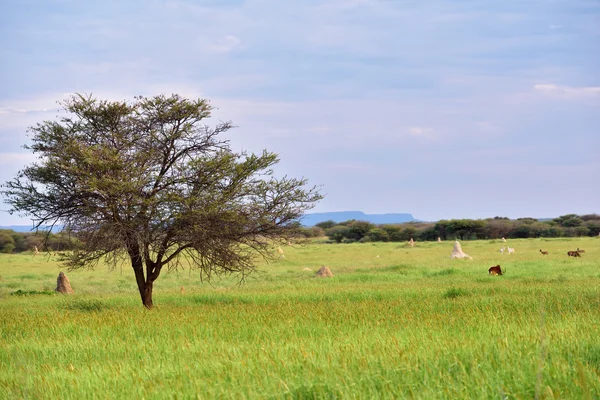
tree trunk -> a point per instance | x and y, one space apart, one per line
144 287
147 295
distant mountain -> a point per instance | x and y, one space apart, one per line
341 216
27 228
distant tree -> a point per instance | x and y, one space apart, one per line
359 229
20 240
311 232
581 230
394 232
520 231
338 233
147 181
527 220
7 243
409 232
326 224
590 217
593 227
428 233
552 231
377 235
442 227
497 228
569 220
466 228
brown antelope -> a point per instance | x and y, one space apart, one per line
580 251
495 270
573 254
544 252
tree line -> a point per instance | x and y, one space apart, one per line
570 225
18 242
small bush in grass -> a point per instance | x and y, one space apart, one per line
454 293
32 292
401 269
315 391
560 279
443 272
84 305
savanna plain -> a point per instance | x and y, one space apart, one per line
394 322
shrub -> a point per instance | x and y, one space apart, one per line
454 293
326 224
377 235
85 305
8 248
32 292
338 233
359 229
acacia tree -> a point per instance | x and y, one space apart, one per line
148 182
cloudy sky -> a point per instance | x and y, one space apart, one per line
439 108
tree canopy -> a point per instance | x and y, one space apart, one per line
147 181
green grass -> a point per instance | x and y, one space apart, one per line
410 323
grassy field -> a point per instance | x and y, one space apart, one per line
394 322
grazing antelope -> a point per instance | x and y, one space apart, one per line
544 252
502 250
573 254
580 251
495 270
510 250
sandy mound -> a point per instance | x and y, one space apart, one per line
324 272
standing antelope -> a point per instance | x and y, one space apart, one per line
580 251
544 252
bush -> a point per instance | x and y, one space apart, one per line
338 233
6 241
359 229
454 293
394 232
377 235
326 224
8 248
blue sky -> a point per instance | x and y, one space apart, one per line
442 109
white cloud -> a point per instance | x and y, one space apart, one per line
21 111
225 44
13 159
568 91
420 131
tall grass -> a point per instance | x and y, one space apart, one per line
410 323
